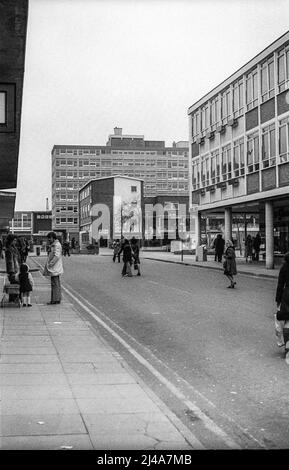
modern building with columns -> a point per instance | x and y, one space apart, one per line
239 149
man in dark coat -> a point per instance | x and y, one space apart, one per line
219 248
127 258
256 246
282 291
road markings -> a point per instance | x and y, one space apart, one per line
208 423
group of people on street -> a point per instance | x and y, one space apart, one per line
16 252
130 255
252 248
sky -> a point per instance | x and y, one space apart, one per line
92 65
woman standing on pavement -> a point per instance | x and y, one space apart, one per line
54 267
230 268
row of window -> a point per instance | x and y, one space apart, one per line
243 95
112 163
66 209
114 152
66 220
230 161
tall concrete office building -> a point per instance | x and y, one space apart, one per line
164 171
239 148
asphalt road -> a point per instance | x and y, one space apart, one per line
213 345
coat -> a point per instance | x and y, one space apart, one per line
282 291
12 260
54 265
230 262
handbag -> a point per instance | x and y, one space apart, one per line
282 316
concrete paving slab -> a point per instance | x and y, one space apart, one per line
81 357
28 358
34 392
26 368
127 421
107 405
41 424
107 378
74 441
8 349
21 331
122 442
23 340
43 406
33 379
116 391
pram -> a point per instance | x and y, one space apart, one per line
13 290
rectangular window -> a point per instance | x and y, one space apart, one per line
252 89
283 140
226 163
3 113
268 146
133 189
253 152
283 69
267 79
238 105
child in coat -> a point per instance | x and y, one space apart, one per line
26 283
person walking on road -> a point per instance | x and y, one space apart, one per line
282 300
127 258
54 267
66 248
135 254
230 268
116 249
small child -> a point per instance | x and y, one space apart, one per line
26 285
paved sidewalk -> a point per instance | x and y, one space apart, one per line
63 387
257 269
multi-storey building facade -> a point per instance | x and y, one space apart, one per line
164 171
239 147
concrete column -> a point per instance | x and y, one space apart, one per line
269 235
228 223
198 228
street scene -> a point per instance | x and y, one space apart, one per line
144 269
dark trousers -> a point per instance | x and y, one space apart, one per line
55 289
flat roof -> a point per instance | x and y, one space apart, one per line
245 68
110 177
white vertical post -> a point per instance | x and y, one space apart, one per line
228 223
269 235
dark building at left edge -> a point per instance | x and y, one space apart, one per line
13 30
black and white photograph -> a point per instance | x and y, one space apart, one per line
144 229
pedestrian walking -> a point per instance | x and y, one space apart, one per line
116 249
127 258
219 248
230 268
66 248
1 249
54 267
26 283
135 254
256 246
248 249
282 300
